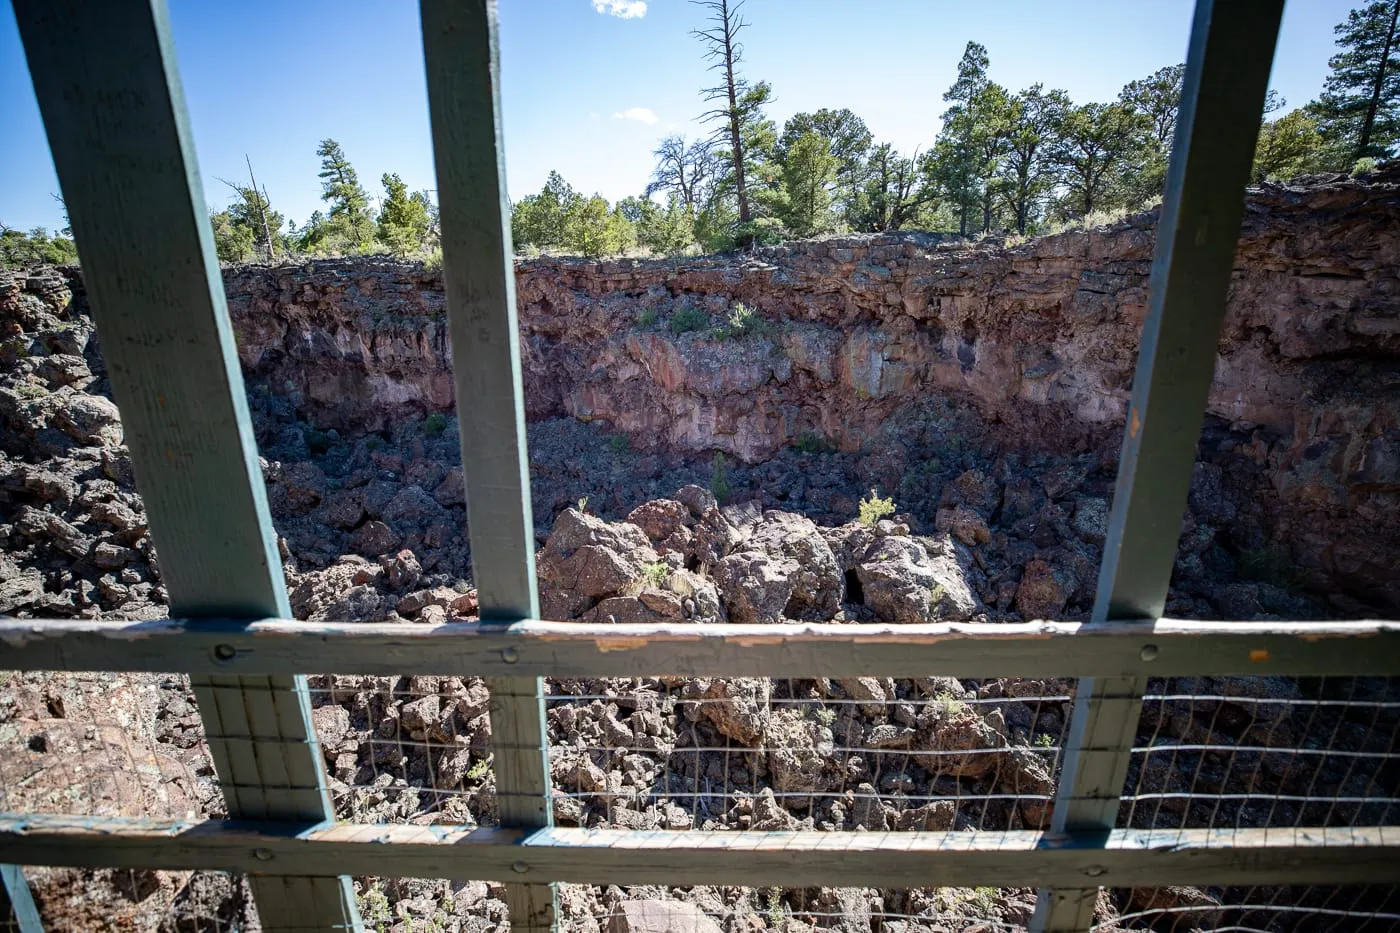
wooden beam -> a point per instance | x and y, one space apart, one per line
114 112
460 52
1227 72
1122 858
566 649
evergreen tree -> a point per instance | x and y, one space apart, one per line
968 152
18 248
809 173
403 217
540 220
1288 147
1359 107
340 187
233 242
892 195
590 230
955 163
666 231
848 139
258 223
1026 177
1157 99
1096 150
314 234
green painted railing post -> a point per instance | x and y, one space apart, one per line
16 899
459 43
113 108
1222 99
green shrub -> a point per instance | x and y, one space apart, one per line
1363 166
687 320
655 574
741 322
374 907
719 480
619 443
810 442
435 424
646 317
874 509
761 231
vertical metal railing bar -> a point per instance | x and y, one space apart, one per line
16 899
115 116
460 54
1227 71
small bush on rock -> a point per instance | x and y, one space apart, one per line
741 322
874 509
687 320
435 424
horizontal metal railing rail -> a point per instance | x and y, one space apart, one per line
1166 647
1119 858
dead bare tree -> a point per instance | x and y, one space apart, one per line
683 169
262 203
725 52
255 209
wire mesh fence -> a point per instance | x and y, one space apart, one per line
796 910
103 744
862 753
1274 909
142 900
406 749
1251 752
715 754
390 905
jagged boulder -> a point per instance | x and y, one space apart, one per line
815 577
910 580
736 707
586 560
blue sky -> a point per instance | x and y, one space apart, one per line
590 86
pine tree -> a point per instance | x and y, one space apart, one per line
1096 150
1026 176
540 220
849 140
233 242
1157 99
1288 147
892 194
403 218
258 223
1360 105
971 142
809 173
340 187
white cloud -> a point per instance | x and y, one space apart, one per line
639 114
622 9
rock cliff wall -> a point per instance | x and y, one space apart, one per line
1038 340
